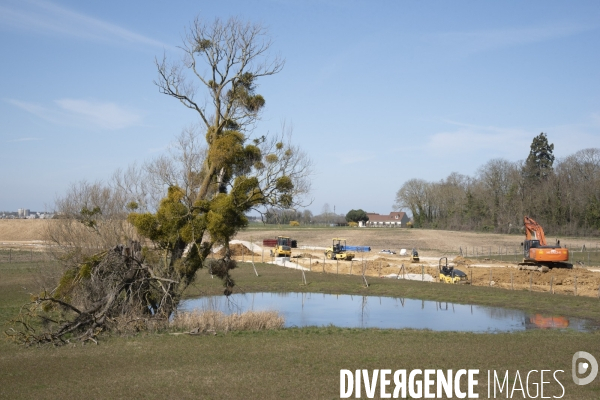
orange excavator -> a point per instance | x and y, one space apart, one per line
537 252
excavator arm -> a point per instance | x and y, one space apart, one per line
533 231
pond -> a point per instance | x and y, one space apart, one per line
318 309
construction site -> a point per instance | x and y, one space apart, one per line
511 262
486 259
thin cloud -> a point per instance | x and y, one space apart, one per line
83 113
482 40
44 17
466 141
471 141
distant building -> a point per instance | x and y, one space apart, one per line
23 212
394 219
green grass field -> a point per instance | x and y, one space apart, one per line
290 363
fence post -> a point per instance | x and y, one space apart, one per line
512 286
530 280
262 255
490 283
379 269
422 272
337 266
243 253
551 284
575 285
351 261
310 263
323 263
9 256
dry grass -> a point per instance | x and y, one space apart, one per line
14 230
216 321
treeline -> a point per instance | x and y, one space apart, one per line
305 217
563 196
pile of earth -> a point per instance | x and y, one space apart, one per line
236 250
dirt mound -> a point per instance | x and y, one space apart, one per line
303 255
460 260
237 250
384 266
562 280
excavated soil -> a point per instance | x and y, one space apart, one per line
583 281
238 251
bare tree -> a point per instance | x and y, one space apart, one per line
414 195
498 178
226 58
140 274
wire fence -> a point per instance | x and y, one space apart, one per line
9 255
584 255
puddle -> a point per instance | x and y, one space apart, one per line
318 309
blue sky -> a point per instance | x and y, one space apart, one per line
377 92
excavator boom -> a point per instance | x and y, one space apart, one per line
533 231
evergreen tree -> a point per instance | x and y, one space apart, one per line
540 160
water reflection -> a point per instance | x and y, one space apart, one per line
312 309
